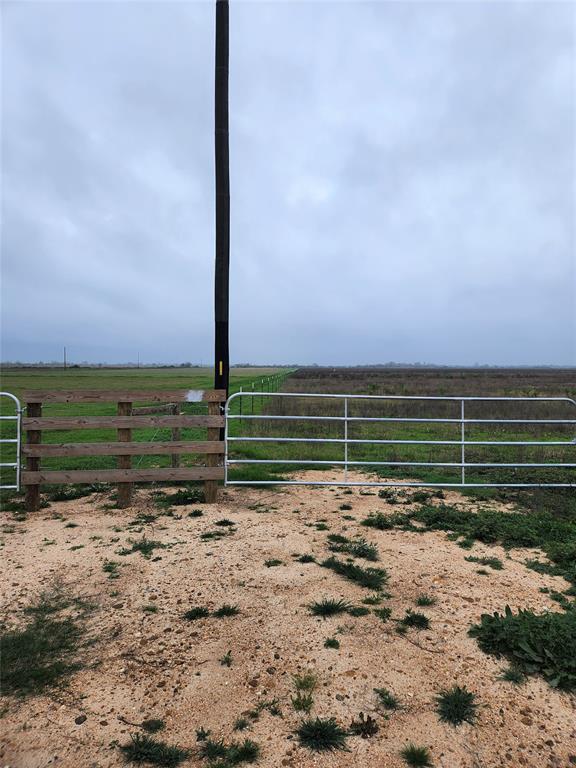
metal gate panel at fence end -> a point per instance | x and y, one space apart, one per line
16 442
463 442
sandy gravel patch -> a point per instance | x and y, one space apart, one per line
158 665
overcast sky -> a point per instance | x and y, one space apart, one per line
403 181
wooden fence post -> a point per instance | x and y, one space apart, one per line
212 460
124 462
33 437
175 436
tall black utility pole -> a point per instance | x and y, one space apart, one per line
222 164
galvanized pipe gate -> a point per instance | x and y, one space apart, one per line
232 438
13 466
567 447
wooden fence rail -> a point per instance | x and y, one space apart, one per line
128 418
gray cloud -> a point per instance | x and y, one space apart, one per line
403 181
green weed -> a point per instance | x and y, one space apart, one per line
181 497
535 528
364 726
493 562
543 644
226 660
144 546
111 568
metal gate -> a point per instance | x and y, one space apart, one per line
260 408
14 442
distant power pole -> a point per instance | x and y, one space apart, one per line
64 358
222 168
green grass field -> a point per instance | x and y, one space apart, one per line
360 381
17 381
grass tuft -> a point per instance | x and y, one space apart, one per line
306 559
302 702
226 610
424 600
322 734
358 610
241 723
306 682
145 749
354 547
416 757
329 607
457 705
193 614
371 578
513 675
386 699
229 754
374 599
416 620
42 653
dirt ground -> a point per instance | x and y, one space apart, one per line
146 665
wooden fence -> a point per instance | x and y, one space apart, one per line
34 424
